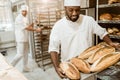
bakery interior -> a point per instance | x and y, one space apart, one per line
47 12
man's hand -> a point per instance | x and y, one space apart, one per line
116 45
60 73
38 29
32 24
109 41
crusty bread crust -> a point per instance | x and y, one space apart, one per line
70 70
88 52
81 65
105 62
101 52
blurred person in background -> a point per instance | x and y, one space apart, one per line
22 28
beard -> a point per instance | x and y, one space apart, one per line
73 18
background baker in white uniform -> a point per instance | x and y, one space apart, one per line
22 29
74 34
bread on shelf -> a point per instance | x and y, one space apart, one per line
113 1
113 31
116 17
105 17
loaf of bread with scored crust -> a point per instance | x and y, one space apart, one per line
88 52
105 62
102 44
101 52
70 70
81 65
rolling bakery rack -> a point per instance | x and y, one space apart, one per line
45 19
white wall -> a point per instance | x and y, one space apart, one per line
7 39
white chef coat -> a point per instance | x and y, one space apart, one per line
74 37
21 34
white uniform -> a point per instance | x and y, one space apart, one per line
22 39
21 23
74 37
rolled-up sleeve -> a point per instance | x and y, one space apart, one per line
54 43
97 29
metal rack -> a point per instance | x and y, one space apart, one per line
111 73
41 42
45 17
110 22
104 7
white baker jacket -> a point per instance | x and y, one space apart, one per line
74 37
21 34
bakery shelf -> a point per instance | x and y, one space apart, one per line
102 6
115 36
109 5
112 22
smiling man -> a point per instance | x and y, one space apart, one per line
72 35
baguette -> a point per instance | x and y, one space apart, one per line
81 65
70 70
102 44
101 52
88 52
105 62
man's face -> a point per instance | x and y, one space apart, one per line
24 12
72 12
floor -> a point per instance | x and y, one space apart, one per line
37 73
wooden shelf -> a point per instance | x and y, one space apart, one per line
110 22
109 5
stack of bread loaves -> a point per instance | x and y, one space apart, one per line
113 31
94 59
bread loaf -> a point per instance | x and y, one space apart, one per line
115 29
118 33
113 1
101 52
104 44
81 65
105 62
70 70
88 52
106 17
110 31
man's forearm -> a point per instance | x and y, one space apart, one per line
107 40
55 59
30 29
